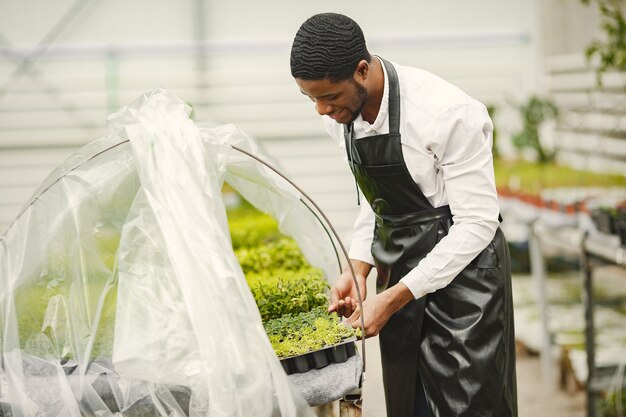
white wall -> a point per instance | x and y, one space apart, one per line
115 50
568 26
591 130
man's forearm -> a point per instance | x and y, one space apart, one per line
360 267
396 297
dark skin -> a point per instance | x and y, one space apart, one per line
343 101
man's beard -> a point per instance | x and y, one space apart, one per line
362 96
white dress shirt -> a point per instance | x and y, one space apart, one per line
446 142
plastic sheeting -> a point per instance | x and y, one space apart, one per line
119 288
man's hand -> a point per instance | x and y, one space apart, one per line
378 309
343 294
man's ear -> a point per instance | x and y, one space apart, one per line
362 70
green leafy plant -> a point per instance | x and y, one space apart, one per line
249 229
534 177
43 304
283 292
611 52
252 230
291 295
282 253
534 113
612 403
293 335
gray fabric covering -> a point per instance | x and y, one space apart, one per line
321 386
317 386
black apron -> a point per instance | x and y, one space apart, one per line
452 352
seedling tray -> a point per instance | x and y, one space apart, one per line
320 358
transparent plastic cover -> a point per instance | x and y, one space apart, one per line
120 291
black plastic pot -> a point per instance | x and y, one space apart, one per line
286 366
604 220
619 225
320 358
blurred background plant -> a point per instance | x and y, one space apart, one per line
610 52
491 109
534 113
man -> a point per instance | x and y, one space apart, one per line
420 151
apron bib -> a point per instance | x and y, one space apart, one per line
452 352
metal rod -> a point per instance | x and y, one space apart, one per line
50 90
538 273
111 82
278 45
590 348
30 60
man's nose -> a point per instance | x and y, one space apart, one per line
323 107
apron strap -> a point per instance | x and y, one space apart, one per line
347 136
394 97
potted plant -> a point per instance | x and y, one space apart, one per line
604 219
619 222
290 294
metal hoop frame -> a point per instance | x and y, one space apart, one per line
326 224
